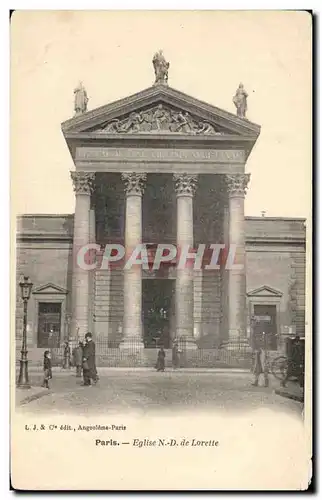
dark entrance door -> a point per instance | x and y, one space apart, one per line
265 323
49 322
157 311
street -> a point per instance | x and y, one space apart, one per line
148 391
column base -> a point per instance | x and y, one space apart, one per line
188 343
132 344
236 344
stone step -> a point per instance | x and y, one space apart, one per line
214 307
102 296
108 274
98 309
107 310
106 278
108 313
103 289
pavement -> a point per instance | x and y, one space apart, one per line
292 391
145 390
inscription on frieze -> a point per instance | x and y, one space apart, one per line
160 155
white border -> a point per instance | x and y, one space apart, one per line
4 184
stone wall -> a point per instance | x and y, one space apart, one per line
45 263
276 258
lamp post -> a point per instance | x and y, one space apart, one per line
25 289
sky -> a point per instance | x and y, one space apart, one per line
210 53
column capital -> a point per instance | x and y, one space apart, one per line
237 184
185 184
134 183
83 182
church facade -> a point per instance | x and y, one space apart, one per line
160 170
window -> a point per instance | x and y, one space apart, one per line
49 324
264 326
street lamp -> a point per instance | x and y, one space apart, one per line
25 289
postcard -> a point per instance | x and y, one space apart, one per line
161 167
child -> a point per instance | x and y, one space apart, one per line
47 369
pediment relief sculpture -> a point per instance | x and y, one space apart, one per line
159 119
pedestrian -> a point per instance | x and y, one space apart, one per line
260 366
66 362
89 364
175 354
78 358
160 360
47 369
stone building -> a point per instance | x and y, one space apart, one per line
160 167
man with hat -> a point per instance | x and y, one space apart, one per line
89 365
175 354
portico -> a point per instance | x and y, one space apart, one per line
191 156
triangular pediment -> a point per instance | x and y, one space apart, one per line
160 109
50 288
264 291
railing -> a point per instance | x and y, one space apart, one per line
110 354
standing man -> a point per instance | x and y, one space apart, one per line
261 363
66 362
89 364
78 358
161 360
175 354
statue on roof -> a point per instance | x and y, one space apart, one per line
81 99
161 67
240 101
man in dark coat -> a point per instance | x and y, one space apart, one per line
175 354
66 362
161 360
89 364
78 358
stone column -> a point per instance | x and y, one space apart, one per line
132 320
83 186
237 186
197 303
185 187
224 272
92 239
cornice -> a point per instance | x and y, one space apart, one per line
272 240
97 137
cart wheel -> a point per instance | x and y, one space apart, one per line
294 372
279 367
